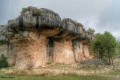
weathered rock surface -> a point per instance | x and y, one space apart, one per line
39 36
63 52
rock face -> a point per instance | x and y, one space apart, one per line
39 36
63 52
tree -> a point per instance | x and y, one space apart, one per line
104 47
97 46
91 31
117 52
109 46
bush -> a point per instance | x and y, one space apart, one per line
24 10
3 61
35 11
2 42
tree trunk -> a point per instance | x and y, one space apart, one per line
109 57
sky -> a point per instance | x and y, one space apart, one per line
101 15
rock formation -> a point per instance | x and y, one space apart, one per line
39 36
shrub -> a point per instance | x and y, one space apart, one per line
3 61
24 10
35 12
2 42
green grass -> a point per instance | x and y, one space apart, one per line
57 78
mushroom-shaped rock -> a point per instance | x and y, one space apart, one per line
39 36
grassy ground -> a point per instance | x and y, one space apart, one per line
113 74
56 78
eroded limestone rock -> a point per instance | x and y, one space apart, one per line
63 52
39 36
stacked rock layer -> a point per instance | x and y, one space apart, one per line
39 36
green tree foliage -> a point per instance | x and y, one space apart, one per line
97 45
118 49
24 10
104 46
3 61
91 31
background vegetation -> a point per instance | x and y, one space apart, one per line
3 61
